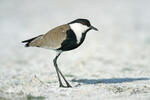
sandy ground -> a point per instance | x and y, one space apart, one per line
112 64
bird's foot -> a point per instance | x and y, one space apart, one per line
61 85
68 86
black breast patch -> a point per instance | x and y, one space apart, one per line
70 42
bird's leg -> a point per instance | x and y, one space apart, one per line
68 85
56 67
58 71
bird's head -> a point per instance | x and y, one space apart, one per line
81 25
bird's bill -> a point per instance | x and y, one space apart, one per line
92 27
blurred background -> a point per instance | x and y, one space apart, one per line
121 45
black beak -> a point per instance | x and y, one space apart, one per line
92 27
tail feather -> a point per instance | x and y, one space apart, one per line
29 41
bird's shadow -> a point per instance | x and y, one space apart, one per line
108 81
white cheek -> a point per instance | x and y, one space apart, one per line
78 29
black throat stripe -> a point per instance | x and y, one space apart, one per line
71 41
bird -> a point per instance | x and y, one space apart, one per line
62 38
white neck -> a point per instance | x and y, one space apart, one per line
78 29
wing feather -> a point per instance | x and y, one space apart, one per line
53 38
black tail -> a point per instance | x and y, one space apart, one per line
29 40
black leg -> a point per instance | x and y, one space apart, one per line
58 71
56 67
68 85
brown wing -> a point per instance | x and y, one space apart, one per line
52 39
